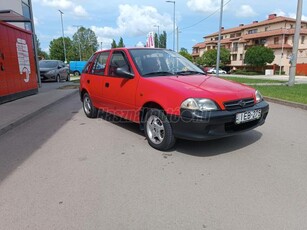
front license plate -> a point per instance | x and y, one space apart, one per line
248 116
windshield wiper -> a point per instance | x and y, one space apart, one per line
159 73
189 72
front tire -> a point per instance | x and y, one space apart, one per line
158 130
88 108
68 77
58 78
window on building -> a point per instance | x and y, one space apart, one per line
253 31
266 28
26 14
235 46
291 26
238 34
276 40
234 57
232 35
303 40
241 57
262 41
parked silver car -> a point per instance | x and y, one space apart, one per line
213 71
53 70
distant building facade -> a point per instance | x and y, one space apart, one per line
275 32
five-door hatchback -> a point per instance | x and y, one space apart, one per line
168 96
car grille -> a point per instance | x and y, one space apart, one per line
239 104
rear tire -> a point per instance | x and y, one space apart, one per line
58 78
68 77
77 73
158 130
88 108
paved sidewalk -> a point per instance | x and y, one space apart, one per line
16 112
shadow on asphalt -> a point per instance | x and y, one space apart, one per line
219 146
19 143
194 148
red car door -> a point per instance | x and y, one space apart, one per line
119 92
94 77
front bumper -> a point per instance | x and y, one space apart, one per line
196 125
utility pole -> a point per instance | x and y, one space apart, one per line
293 59
35 45
63 36
219 41
158 35
174 23
78 26
177 39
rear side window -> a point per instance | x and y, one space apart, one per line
100 63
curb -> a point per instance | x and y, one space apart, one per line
33 114
287 103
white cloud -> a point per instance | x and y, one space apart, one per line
140 44
293 15
245 11
36 22
135 21
279 12
66 5
63 4
80 11
206 6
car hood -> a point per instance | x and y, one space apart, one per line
207 86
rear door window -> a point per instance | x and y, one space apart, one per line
100 63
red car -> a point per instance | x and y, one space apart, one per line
168 96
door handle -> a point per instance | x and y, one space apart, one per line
107 84
88 81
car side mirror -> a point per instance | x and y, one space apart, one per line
124 73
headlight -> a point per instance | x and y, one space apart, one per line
199 104
258 96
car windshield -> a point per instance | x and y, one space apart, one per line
162 62
48 64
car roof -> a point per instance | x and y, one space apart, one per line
131 48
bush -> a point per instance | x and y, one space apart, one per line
246 72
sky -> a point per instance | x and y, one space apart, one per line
133 20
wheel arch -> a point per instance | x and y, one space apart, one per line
145 108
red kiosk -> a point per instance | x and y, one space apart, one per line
18 76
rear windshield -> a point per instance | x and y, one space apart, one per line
48 64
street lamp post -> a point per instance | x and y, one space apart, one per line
293 59
78 26
219 41
63 36
158 35
174 23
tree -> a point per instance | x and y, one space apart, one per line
41 54
86 39
121 42
259 56
157 45
209 57
113 44
56 48
184 52
162 40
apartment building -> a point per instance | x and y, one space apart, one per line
275 32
